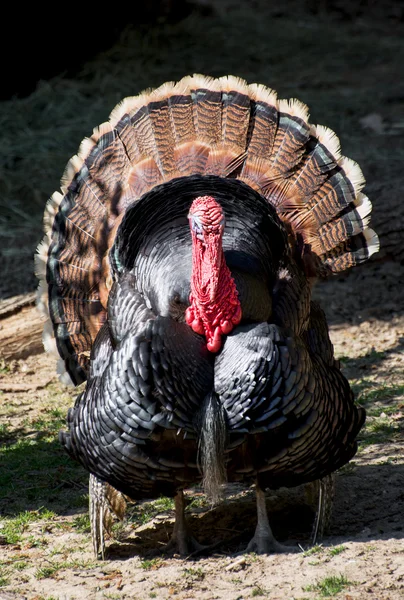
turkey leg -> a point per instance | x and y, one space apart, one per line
263 541
325 503
182 540
97 504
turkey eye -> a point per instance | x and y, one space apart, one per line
197 227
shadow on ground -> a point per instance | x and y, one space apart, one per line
369 504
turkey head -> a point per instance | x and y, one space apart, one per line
214 305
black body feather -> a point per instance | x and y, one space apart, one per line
288 412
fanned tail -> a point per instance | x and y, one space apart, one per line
199 125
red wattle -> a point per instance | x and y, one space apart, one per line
214 345
197 326
214 305
194 322
189 315
226 327
237 315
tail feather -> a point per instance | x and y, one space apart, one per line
192 157
199 125
346 226
124 128
181 113
290 141
314 168
144 175
334 195
353 251
223 160
263 123
106 506
328 139
236 113
207 99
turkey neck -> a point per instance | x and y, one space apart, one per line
214 305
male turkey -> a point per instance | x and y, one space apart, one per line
176 273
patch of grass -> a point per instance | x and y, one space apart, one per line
378 431
337 550
364 360
162 504
34 468
193 573
6 568
33 542
82 523
381 392
152 564
253 556
13 528
78 563
53 568
46 572
375 355
5 367
329 586
48 423
117 529
197 502
318 549
381 402
5 432
391 460
20 565
35 471
145 512
258 591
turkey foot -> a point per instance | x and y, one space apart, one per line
263 541
182 540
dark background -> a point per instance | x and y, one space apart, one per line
64 71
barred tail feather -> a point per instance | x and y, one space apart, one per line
106 505
199 125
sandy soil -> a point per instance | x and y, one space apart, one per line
365 543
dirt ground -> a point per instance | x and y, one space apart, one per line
45 547
365 543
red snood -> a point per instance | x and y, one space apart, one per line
214 305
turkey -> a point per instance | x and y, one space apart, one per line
176 275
